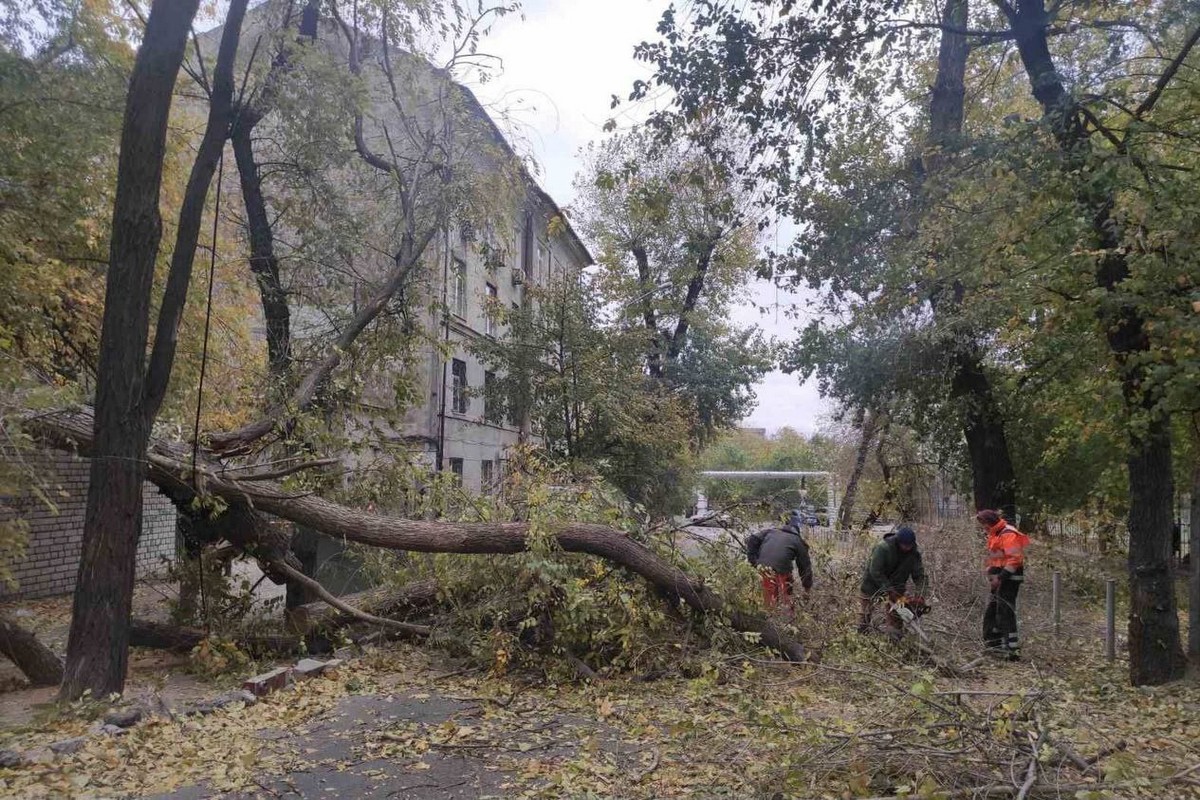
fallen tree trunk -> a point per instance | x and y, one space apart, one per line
38 662
182 639
383 601
169 466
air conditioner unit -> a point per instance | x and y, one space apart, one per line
518 277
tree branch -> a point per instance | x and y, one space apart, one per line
1160 86
320 591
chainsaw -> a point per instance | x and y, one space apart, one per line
910 610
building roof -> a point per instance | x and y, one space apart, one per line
531 183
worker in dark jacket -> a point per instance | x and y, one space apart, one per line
774 552
893 562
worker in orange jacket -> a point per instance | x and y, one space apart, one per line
1005 572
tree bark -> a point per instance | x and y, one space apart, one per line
182 639
704 253
993 482
1155 655
1194 563
867 424
649 318
263 261
169 462
97 648
38 662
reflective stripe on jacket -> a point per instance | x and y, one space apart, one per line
1006 549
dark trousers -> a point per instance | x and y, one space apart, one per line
1000 619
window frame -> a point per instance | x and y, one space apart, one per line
491 293
460 402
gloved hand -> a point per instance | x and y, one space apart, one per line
994 582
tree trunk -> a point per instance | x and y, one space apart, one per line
647 287
1154 652
993 481
263 262
867 426
1154 642
169 462
97 648
1194 563
885 473
303 546
182 639
948 99
704 250
34 659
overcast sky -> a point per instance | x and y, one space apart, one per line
561 65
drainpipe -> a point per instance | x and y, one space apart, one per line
441 438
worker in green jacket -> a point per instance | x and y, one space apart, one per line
893 562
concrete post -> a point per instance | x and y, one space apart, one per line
1056 600
1110 620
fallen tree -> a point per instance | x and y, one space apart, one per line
169 467
38 662
181 638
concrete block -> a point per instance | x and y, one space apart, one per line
264 684
309 668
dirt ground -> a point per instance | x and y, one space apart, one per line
152 673
863 719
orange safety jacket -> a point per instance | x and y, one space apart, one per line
1006 549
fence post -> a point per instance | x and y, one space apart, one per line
1110 620
1055 600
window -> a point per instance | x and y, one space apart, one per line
491 249
460 288
491 402
458 397
489 310
456 466
486 477
543 262
515 250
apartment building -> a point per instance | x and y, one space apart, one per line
469 267
454 427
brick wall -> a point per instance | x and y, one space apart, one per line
54 540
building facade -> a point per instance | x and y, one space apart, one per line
470 268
